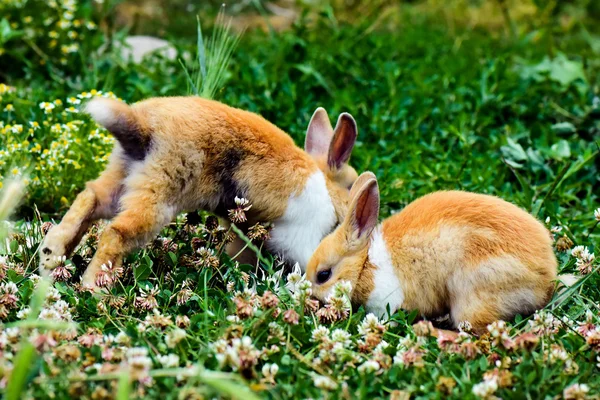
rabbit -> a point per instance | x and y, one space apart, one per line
184 153
474 256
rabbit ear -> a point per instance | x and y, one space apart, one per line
363 213
360 182
318 134
344 137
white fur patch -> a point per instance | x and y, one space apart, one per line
100 111
308 218
386 285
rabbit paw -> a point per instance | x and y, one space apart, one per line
52 249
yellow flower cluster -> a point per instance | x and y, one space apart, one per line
58 150
57 27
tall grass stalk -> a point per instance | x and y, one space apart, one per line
213 59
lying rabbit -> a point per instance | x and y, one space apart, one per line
184 153
475 256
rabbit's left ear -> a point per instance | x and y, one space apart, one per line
342 143
318 134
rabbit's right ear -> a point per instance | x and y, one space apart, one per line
318 134
363 213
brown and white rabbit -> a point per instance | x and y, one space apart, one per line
475 256
185 153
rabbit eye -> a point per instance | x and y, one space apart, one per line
323 276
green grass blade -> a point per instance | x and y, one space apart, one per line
227 386
213 59
18 376
190 81
201 50
124 386
250 245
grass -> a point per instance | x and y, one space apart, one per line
438 106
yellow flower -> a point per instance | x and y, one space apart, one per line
28 19
9 108
58 102
15 171
64 24
34 125
47 107
93 92
1 184
53 35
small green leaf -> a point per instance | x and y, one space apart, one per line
561 150
563 127
142 272
513 151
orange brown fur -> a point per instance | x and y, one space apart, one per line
200 154
476 256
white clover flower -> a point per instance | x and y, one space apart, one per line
242 203
294 278
233 319
369 366
24 313
577 250
139 363
369 325
241 353
342 288
169 360
52 295
320 334
341 336
584 259
576 391
13 334
597 214
380 348
305 287
270 370
174 336
324 382
486 388
122 338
